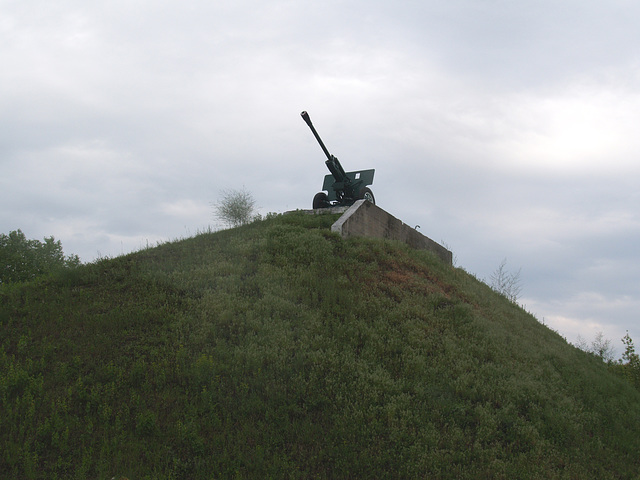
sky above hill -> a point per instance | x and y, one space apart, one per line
506 130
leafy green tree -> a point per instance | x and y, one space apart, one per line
235 208
22 259
631 361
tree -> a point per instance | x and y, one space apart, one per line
22 260
235 208
601 347
631 361
505 282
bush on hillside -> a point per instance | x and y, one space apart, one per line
235 208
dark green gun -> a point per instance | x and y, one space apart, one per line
342 188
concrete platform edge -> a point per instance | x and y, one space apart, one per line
368 220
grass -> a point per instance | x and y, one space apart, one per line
279 350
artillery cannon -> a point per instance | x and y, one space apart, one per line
342 188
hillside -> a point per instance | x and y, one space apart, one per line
280 350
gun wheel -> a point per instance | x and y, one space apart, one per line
321 200
367 194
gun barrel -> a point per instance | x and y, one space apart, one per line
307 119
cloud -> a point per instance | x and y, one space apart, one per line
587 313
505 130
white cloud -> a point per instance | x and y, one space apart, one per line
583 130
506 130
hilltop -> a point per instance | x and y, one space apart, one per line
280 350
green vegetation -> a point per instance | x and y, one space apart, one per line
235 208
23 260
627 367
279 350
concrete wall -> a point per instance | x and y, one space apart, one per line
364 219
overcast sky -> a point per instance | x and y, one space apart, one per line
504 129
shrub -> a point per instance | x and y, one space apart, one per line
235 208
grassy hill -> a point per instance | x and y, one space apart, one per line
279 350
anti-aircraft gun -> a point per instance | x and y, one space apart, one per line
342 188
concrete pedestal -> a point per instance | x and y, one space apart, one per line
364 219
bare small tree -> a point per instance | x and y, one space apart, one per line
506 283
235 207
601 347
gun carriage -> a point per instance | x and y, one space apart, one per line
341 188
